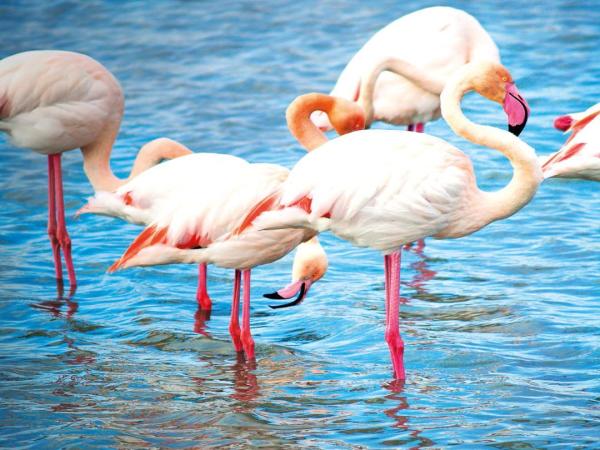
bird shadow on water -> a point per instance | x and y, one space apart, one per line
245 382
398 413
56 305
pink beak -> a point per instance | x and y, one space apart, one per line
563 123
299 288
516 108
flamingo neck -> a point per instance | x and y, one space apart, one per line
298 119
527 174
96 159
400 67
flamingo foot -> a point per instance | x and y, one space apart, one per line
246 334
58 205
202 293
392 329
234 324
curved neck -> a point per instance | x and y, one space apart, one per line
96 158
406 70
527 174
298 119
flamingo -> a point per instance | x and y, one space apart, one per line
56 101
143 200
200 208
383 189
424 48
580 155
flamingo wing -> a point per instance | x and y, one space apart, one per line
379 187
212 210
53 101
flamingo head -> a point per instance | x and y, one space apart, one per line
346 116
495 83
310 264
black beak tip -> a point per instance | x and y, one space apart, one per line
516 129
295 302
273 296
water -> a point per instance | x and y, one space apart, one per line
501 330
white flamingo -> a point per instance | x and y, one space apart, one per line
383 189
56 101
144 199
200 209
424 48
579 157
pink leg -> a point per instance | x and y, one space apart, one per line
52 219
61 233
392 329
202 292
247 340
420 127
234 323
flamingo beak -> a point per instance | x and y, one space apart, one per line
300 288
563 123
516 108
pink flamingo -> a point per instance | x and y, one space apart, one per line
428 45
144 199
56 101
383 189
310 261
211 222
200 208
580 155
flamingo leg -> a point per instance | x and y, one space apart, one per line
202 293
246 335
234 323
52 220
61 233
392 329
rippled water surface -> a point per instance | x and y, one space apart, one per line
501 327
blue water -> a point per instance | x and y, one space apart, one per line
501 327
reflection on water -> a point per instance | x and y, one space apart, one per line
501 346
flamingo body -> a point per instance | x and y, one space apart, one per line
207 214
405 187
54 101
437 40
580 155
208 218
383 189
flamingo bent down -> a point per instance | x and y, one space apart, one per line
580 155
56 101
144 200
383 189
427 46
201 208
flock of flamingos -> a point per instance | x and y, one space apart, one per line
381 189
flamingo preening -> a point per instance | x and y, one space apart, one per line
423 48
383 189
201 208
56 101
579 156
143 200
